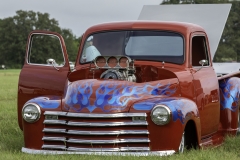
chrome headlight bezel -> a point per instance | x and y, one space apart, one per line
31 112
167 115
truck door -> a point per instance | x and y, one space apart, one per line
205 84
45 69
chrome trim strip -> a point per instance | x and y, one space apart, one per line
106 124
54 147
51 130
63 139
93 141
107 132
29 45
149 153
93 115
93 149
55 113
76 132
134 149
54 122
114 115
109 149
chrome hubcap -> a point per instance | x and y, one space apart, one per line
238 131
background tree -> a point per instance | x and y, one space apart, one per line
14 32
228 50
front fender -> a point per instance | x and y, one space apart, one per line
47 102
169 135
33 131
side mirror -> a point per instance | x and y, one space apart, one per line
203 62
52 62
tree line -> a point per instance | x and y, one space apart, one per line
228 49
14 32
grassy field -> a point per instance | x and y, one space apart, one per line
11 137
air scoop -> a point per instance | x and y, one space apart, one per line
118 67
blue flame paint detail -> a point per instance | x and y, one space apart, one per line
109 95
143 106
229 93
179 107
48 102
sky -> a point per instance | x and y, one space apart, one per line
78 15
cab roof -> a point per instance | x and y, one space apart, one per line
181 27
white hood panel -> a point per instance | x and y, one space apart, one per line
212 17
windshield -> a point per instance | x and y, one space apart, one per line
138 45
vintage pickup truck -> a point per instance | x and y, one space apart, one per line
138 87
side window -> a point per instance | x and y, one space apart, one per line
199 50
45 47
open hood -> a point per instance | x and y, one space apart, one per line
212 17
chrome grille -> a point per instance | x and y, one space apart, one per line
95 132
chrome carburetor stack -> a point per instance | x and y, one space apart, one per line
118 67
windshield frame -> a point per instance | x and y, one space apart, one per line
136 58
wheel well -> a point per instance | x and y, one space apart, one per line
191 140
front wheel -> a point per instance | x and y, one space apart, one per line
182 144
238 130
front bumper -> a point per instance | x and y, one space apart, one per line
150 153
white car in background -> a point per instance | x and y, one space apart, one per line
3 67
71 65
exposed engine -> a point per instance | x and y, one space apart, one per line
118 67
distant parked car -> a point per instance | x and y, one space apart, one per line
71 65
3 66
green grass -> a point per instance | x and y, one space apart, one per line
11 137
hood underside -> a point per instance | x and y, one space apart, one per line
212 17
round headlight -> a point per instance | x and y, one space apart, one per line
31 112
160 115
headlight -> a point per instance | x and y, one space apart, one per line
160 115
31 112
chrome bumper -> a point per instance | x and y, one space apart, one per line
150 153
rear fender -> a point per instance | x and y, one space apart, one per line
229 98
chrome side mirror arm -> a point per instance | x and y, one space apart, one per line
52 62
202 63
